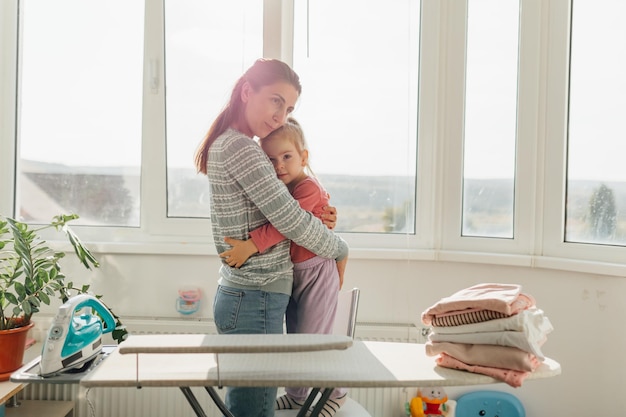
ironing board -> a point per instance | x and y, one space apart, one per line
184 362
216 346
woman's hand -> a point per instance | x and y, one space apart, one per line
329 217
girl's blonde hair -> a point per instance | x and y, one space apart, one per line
293 132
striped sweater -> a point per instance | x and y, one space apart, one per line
245 194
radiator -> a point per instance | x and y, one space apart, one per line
167 402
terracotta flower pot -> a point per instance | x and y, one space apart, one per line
12 345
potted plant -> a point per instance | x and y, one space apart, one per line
30 275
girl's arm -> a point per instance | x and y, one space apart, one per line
240 252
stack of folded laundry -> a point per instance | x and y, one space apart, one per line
490 328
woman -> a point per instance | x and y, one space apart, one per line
245 194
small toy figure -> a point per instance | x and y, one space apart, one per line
430 401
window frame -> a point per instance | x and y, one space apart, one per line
540 147
595 257
452 118
8 92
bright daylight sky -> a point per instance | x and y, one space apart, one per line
82 78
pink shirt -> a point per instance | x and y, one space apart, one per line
313 198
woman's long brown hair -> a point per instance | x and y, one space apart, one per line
262 73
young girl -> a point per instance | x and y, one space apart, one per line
317 280
246 194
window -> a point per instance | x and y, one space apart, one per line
358 63
596 173
490 118
208 46
80 111
443 129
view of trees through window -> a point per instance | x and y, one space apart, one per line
596 174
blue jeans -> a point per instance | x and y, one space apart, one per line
238 311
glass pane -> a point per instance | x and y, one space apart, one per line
209 44
358 63
596 173
490 118
80 110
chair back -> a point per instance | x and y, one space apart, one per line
345 324
347 310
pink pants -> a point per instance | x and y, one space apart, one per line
313 305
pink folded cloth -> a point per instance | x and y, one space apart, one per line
506 299
486 355
509 376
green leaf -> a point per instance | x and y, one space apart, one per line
44 297
20 290
11 298
119 334
26 307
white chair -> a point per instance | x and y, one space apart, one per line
347 310
345 323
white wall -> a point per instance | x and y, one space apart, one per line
586 311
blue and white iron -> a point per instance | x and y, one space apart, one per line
75 339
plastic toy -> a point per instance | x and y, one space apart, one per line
489 404
188 301
430 401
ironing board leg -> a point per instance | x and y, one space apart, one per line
193 401
307 404
320 404
322 401
218 401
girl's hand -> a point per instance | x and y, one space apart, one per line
341 268
239 253
329 217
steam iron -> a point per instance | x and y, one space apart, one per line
74 339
